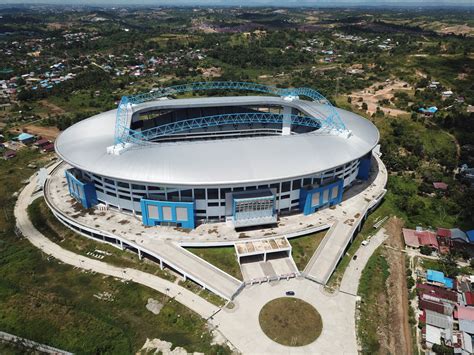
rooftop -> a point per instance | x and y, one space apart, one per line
259 246
465 313
438 277
217 162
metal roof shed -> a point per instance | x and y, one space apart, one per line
439 320
433 335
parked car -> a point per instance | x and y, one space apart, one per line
365 242
354 257
290 293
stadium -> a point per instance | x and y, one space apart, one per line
243 160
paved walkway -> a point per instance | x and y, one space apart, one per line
195 268
168 251
126 225
276 267
36 347
182 295
348 220
241 326
351 278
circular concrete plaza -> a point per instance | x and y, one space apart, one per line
290 321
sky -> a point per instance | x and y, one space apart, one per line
252 3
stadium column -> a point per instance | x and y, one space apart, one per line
286 126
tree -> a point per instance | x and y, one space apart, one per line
450 266
425 250
442 349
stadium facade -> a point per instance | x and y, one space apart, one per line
240 159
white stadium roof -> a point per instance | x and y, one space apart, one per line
217 162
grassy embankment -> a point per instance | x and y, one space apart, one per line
223 258
371 288
55 304
304 247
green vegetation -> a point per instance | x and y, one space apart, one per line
223 258
14 349
442 349
290 321
44 220
206 294
304 247
372 284
112 53
446 264
55 304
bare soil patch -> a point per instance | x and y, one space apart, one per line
54 109
458 30
396 335
372 95
47 132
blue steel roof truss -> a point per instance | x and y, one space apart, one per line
220 120
124 134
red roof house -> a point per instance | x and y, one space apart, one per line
440 186
469 297
432 306
464 313
428 238
48 148
415 238
410 237
437 292
42 142
444 233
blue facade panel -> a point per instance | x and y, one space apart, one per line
364 167
83 192
158 212
317 198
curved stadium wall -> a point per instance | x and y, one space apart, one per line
121 162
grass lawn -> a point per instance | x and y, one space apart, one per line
222 257
372 285
55 304
290 321
304 247
43 219
206 294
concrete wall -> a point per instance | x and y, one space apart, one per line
210 202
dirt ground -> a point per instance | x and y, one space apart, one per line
372 95
54 109
396 335
458 30
45 132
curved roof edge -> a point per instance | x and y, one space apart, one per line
216 163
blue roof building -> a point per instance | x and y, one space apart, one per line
470 236
438 277
25 137
429 110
